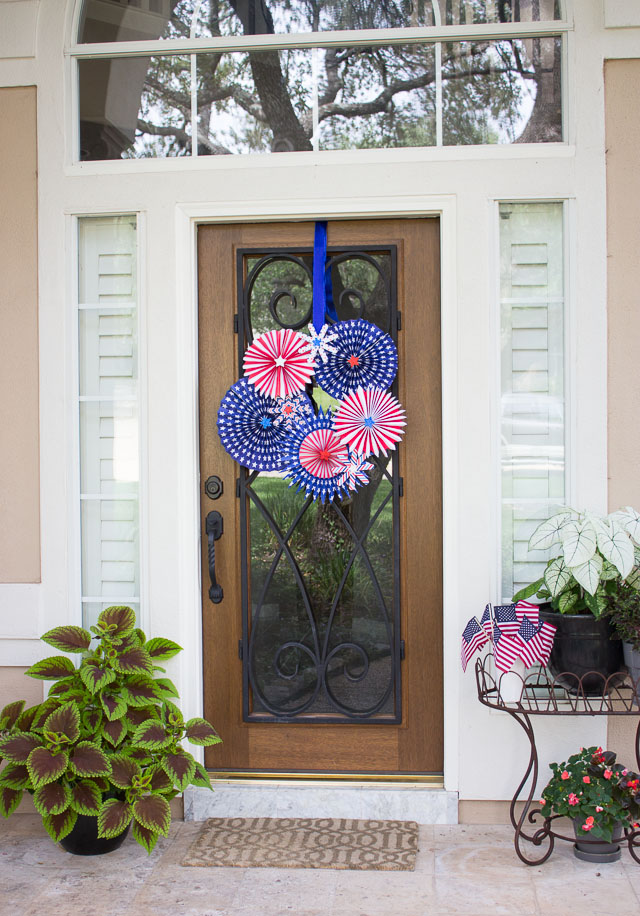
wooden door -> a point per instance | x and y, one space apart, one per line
325 653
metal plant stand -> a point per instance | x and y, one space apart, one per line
564 695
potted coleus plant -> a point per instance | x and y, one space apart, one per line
623 609
601 797
104 750
592 558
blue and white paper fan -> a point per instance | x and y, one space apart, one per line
249 427
364 357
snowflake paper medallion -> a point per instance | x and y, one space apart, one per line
277 364
354 471
320 343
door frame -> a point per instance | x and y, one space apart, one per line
187 219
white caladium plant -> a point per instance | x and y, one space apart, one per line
594 556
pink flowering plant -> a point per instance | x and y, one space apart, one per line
594 791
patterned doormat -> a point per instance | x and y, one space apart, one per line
270 842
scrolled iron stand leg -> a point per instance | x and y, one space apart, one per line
544 832
632 836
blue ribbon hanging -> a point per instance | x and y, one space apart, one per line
322 287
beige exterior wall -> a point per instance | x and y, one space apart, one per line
19 448
622 101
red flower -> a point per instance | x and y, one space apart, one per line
565 775
608 774
573 799
588 824
599 808
586 779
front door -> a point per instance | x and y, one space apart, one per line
324 654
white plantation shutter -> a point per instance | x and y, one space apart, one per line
532 374
109 427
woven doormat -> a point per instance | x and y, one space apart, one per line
270 842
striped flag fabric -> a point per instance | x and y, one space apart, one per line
536 641
528 610
506 649
473 638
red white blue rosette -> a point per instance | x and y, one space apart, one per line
364 357
277 364
248 427
315 457
354 472
370 421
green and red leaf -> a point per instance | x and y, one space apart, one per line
10 713
68 639
88 760
171 714
123 769
147 838
201 777
86 797
65 721
113 704
113 817
199 731
114 732
92 720
43 712
180 768
9 800
167 687
61 686
45 766
18 746
54 798
25 719
141 690
139 715
15 776
133 661
160 782
151 735
153 812
95 675
119 620
160 649
50 669
59 825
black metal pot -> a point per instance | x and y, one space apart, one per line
583 649
83 840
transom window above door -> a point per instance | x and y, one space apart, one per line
175 78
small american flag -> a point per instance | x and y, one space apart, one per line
528 610
507 619
473 638
506 649
535 641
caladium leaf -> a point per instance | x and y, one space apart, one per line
123 770
588 574
68 639
113 817
139 690
114 732
133 661
615 546
18 746
86 797
114 705
567 601
50 669
15 776
579 542
10 713
119 620
557 576
630 521
59 825
160 649
548 533
44 766
147 838
88 760
95 675
151 735
179 768
9 800
199 731
154 813
54 798
65 721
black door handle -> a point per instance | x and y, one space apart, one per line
213 529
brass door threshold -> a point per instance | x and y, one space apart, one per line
433 780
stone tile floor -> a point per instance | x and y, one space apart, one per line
460 871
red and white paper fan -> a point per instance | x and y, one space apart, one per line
370 421
277 364
322 454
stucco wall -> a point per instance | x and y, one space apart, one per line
19 448
622 99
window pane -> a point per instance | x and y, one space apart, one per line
108 413
113 20
502 91
532 371
470 12
135 107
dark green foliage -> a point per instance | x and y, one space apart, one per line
624 610
107 740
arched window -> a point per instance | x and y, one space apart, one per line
259 76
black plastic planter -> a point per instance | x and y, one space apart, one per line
83 840
582 646
597 850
